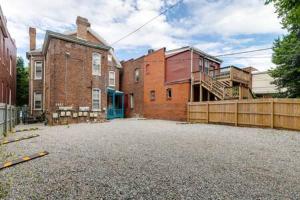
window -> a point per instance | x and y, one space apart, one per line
152 95
37 98
147 69
96 95
131 101
137 75
96 64
169 93
38 70
109 58
112 78
206 66
10 66
9 96
200 64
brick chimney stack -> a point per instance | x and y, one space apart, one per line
82 25
32 38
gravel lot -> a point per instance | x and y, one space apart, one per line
153 159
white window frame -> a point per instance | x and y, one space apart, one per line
98 72
34 100
99 108
112 76
35 67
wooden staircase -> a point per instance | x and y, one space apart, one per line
222 89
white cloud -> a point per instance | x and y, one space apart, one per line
223 19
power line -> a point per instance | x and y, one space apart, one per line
242 52
148 22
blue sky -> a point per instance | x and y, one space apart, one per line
214 26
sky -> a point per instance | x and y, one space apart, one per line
214 26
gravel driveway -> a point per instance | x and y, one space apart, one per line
153 159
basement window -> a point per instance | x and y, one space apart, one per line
152 95
169 93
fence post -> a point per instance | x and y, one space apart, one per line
5 121
207 112
236 113
272 113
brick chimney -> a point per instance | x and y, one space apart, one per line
32 38
82 25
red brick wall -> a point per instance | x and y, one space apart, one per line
69 80
8 51
130 86
161 107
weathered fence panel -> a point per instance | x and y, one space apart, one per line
273 113
8 118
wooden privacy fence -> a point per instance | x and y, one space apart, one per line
8 118
273 113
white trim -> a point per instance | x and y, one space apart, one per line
100 60
34 96
35 63
99 90
114 77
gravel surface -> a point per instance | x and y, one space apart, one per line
153 159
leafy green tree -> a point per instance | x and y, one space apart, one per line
286 50
22 83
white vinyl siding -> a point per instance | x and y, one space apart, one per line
96 64
112 78
37 101
38 71
96 95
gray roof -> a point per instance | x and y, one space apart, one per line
52 34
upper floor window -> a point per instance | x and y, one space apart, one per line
96 64
152 95
112 78
38 72
109 58
169 93
10 65
206 66
137 75
147 69
96 98
37 98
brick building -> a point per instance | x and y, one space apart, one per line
8 51
158 85
71 74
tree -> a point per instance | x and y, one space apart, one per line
22 83
286 50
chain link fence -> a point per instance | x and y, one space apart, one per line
8 119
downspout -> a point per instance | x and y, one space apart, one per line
192 77
31 86
44 83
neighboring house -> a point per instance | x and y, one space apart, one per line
8 52
158 85
262 85
74 77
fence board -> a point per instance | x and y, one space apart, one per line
273 113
